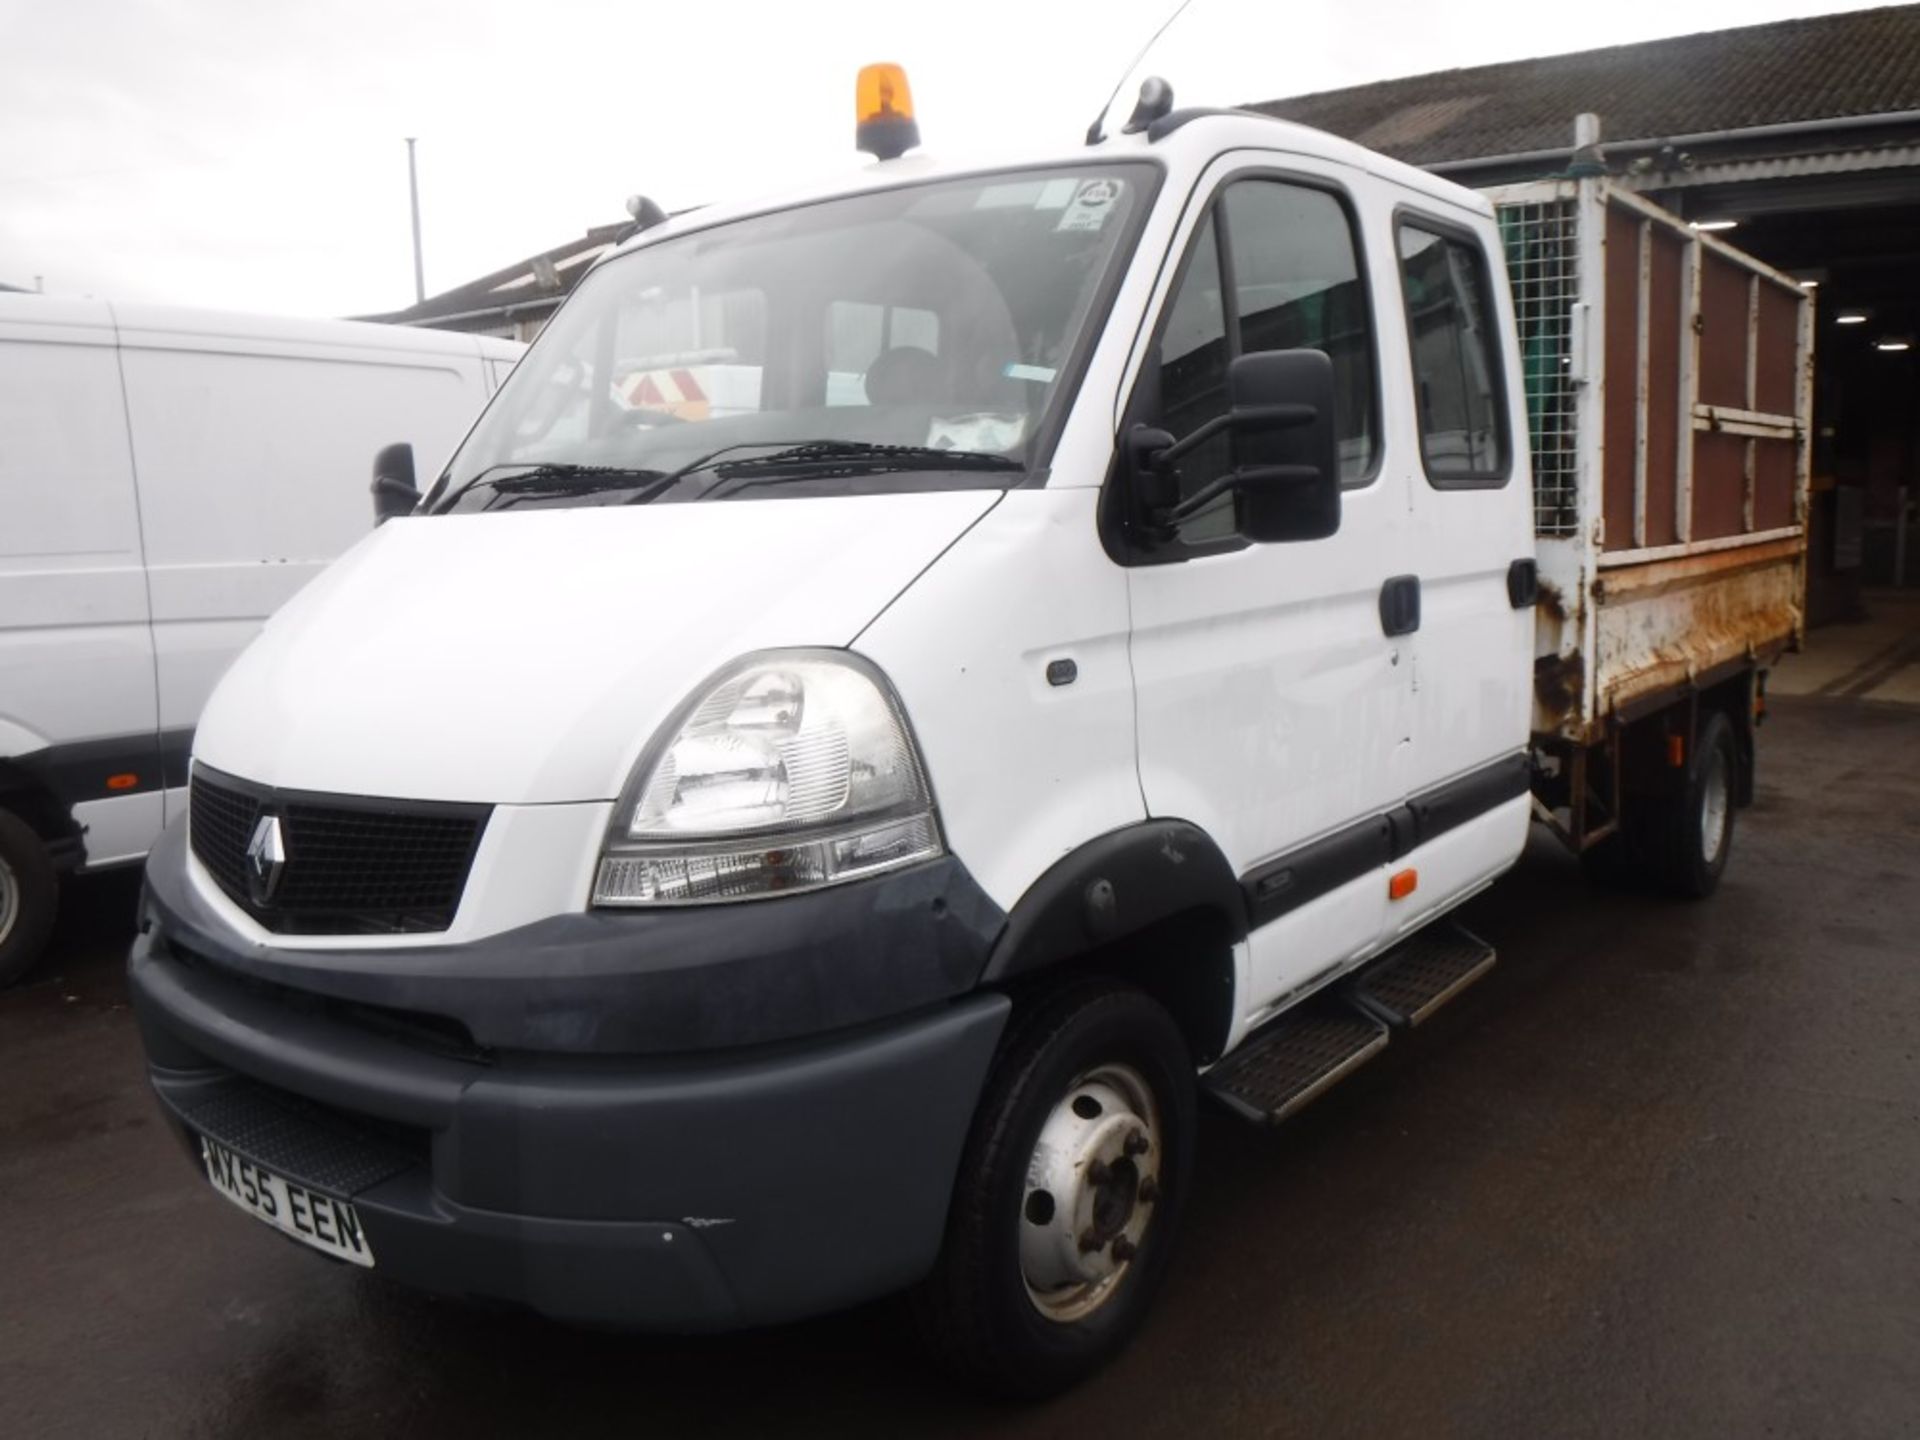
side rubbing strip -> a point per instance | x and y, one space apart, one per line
1439 810
1324 865
1317 868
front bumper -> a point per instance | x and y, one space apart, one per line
684 1192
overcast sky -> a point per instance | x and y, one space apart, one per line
247 154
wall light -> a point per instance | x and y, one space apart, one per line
1713 224
1892 346
1852 317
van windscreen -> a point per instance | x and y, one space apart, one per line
925 334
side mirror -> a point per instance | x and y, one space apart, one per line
1285 462
1286 459
394 490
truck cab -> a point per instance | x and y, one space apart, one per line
908 688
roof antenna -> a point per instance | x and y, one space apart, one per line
646 214
1095 132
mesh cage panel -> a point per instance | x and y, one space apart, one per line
1541 239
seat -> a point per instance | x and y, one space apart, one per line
905 375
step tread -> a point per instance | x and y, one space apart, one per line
1293 1060
1421 974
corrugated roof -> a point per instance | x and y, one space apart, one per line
1787 72
517 285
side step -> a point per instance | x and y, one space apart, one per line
1298 1057
1293 1060
1420 974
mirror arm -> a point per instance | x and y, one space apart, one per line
1198 501
1235 480
1163 458
1255 418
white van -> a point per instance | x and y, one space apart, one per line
168 478
825 843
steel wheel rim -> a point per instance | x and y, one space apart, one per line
1092 1187
9 901
1716 803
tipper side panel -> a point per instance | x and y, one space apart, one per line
1669 400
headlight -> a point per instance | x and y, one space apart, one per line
792 771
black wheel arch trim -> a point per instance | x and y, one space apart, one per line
1114 886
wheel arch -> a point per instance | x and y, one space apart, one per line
28 793
1155 904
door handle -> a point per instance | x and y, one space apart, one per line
1400 605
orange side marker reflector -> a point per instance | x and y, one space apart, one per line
1676 751
1403 884
125 781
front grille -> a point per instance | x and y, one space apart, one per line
352 866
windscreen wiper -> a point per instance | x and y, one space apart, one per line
555 479
818 459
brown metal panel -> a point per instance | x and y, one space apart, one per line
1664 623
1774 465
1663 386
1723 333
1719 485
1776 376
1622 366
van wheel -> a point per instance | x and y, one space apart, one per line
29 896
1686 844
1069 1192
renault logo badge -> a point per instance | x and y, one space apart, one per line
266 859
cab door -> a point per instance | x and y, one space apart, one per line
1472 654
1273 710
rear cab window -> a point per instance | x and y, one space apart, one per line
1454 345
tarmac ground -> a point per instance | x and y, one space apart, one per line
1658 1175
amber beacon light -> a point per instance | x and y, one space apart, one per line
884 109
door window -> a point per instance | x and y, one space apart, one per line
1456 357
1193 381
1274 267
1297 285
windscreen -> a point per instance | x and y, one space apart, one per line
925 333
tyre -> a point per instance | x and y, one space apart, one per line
29 896
1684 847
1069 1193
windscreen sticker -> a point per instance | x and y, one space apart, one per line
982 431
1021 193
1056 194
1016 371
1091 206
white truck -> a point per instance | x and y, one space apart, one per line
167 478
830 847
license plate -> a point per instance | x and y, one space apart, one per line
327 1224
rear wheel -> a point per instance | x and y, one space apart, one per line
29 896
1687 841
1069 1190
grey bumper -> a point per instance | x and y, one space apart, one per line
680 1192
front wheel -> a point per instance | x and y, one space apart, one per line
1062 1219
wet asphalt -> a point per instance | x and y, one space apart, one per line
1658 1175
